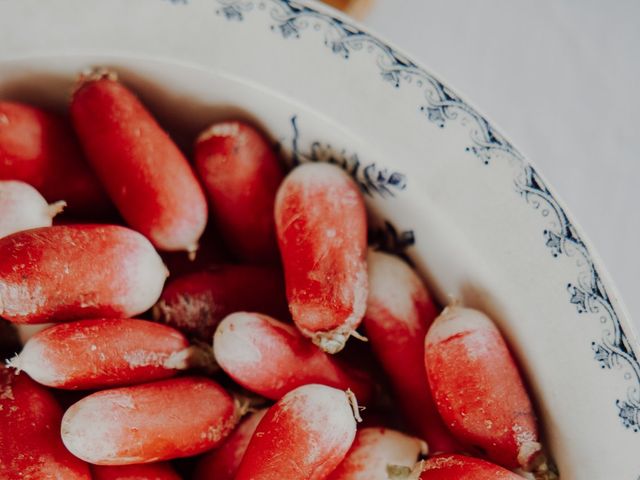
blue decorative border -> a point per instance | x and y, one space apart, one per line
371 179
588 293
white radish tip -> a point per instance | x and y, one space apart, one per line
353 403
532 459
167 273
223 129
333 341
544 472
56 208
330 342
530 456
94 74
243 404
358 336
192 251
454 301
15 363
194 356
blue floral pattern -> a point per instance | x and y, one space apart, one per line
441 106
371 179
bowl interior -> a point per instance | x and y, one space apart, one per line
448 214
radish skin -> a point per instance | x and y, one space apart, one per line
459 467
144 173
197 302
373 450
147 423
60 273
39 148
150 471
478 389
99 353
322 233
399 313
30 445
222 463
241 175
22 208
304 436
271 358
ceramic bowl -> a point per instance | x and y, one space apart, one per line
447 189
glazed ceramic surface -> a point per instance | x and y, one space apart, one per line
448 191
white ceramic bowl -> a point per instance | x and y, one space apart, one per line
447 189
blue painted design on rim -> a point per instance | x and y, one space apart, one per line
371 179
588 293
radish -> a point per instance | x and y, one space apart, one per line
22 208
222 463
241 175
304 436
452 467
146 423
39 148
197 302
104 352
322 232
478 389
373 450
83 271
399 313
145 174
271 358
30 445
149 471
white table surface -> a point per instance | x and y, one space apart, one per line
561 79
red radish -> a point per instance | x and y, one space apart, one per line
454 467
149 471
30 445
145 174
103 352
22 208
322 231
304 436
147 423
399 313
196 303
83 271
222 463
271 358
39 148
241 175
478 389
376 448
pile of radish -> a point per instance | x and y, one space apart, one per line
280 348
